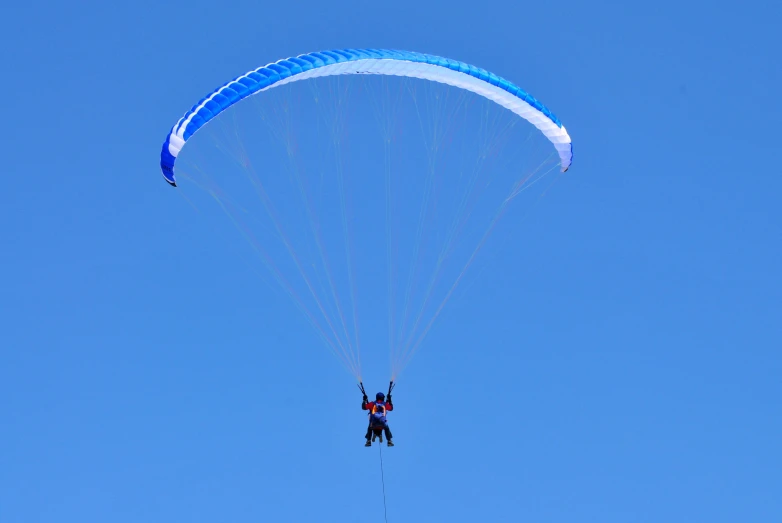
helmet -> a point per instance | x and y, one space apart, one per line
380 396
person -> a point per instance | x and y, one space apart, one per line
379 406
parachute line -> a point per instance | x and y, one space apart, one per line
449 174
383 482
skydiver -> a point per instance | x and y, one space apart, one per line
379 406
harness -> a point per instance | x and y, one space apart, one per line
376 419
375 404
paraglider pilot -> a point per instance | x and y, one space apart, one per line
377 415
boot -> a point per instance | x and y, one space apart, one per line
368 443
390 443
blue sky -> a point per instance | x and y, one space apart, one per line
630 373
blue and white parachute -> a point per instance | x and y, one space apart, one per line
366 61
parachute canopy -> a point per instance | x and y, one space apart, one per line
366 61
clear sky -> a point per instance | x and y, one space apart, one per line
629 372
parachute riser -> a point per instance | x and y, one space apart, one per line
391 386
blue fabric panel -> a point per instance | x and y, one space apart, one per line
304 65
222 100
292 67
326 59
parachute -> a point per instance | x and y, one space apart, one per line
366 61
319 201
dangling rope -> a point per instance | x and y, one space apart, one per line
380 448
383 479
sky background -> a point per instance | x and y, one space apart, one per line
629 373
